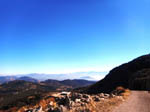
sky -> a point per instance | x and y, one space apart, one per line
64 36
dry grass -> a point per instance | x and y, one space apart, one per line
121 91
126 93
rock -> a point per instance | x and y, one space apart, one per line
65 93
96 98
51 103
83 104
38 109
76 96
61 101
85 100
85 96
77 100
107 95
63 108
101 95
55 110
29 110
112 96
72 103
102 99
121 98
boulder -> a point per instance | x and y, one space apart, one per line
77 100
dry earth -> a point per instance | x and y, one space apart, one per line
138 101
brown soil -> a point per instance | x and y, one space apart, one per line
138 101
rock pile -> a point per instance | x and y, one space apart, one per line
66 102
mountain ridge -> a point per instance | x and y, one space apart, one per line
91 75
120 75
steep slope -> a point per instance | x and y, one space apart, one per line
120 76
140 80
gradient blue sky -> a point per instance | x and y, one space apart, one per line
61 36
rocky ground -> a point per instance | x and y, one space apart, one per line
75 102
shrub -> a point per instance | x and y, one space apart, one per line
119 90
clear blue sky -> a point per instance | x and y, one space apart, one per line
58 36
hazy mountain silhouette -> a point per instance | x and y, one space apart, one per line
25 78
71 83
4 79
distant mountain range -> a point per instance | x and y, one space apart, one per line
4 79
92 76
29 79
50 82
71 83
76 75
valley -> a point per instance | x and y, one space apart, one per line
27 94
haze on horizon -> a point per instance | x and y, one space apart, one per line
65 36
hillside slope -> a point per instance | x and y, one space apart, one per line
120 76
68 83
16 93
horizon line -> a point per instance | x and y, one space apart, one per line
11 74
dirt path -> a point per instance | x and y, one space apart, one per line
138 101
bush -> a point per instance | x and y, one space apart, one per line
119 90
